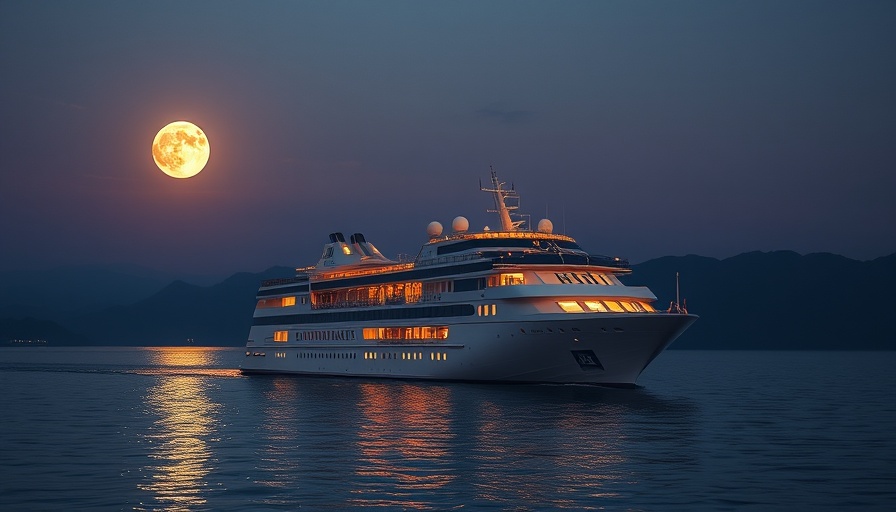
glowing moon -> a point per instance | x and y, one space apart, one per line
180 149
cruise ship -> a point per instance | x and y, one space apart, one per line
511 305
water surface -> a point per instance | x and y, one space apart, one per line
181 429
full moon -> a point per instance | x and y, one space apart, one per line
180 149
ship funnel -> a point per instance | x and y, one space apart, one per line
360 244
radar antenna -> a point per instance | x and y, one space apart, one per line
503 209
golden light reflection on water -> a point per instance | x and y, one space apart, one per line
186 422
280 461
194 361
403 442
589 461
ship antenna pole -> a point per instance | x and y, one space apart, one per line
677 300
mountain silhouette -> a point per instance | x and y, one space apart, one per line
779 300
753 301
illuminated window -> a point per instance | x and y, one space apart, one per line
281 336
486 309
346 250
628 306
638 307
288 301
596 305
506 279
512 279
570 306
422 332
614 306
647 307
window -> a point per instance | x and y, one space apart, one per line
507 279
281 336
611 280
570 306
466 285
279 302
628 307
486 309
425 332
596 305
563 278
614 306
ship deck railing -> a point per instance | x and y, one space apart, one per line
441 260
362 303
283 280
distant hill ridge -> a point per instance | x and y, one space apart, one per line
780 300
755 300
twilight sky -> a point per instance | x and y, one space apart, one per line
642 128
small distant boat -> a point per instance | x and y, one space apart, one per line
504 305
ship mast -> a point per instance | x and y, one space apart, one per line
501 207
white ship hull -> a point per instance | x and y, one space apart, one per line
510 305
597 349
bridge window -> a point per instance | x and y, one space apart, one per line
570 306
614 306
596 305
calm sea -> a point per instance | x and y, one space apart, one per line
181 429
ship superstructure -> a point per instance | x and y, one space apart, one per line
508 304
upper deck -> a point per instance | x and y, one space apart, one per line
357 261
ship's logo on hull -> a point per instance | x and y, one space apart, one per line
587 360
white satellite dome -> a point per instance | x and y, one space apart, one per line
434 229
545 226
460 224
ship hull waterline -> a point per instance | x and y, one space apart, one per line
606 349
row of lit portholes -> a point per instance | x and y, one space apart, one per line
406 356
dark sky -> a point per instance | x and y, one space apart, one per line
642 128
